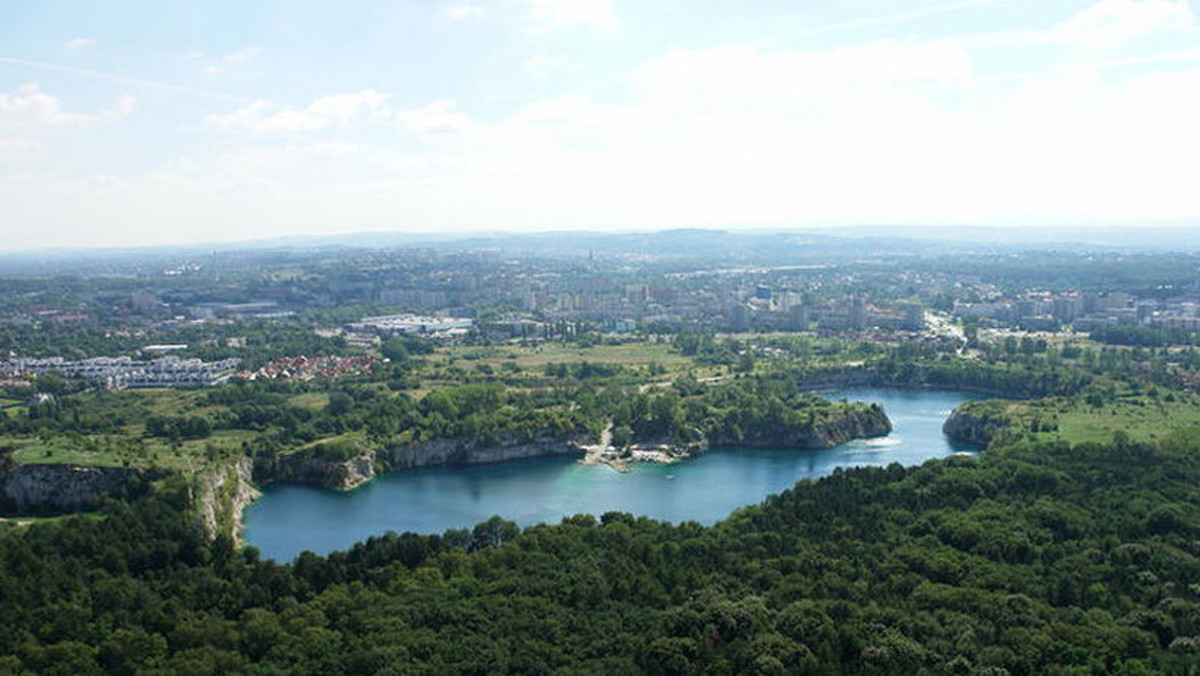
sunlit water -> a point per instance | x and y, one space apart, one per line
291 518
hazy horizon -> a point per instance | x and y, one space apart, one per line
1101 238
136 123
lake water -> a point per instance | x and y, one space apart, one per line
291 518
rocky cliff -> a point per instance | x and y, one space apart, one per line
349 473
471 451
224 493
965 424
28 489
342 475
857 424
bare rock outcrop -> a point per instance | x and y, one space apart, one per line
48 488
472 451
224 494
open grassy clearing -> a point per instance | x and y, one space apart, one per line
1075 420
124 451
164 402
311 401
70 450
348 440
1142 418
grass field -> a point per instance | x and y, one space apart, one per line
312 401
164 402
125 451
1142 417
639 363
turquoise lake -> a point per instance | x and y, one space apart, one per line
289 519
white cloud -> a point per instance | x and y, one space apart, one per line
464 10
338 110
14 150
546 15
891 132
119 79
1107 24
437 118
898 16
366 108
79 43
536 66
1112 22
226 61
541 66
242 55
31 110
737 76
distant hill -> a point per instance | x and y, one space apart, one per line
692 244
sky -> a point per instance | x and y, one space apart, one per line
147 122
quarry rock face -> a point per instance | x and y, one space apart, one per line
33 488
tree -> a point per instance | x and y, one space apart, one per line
622 436
394 350
340 403
493 533
129 651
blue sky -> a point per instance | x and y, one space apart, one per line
152 122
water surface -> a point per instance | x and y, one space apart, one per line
291 518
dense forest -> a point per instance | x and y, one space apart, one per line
1030 559
764 410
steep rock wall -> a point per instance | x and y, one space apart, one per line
342 475
470 451
871 422
27 489
224 494
350 473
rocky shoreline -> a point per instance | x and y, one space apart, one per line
619 459
223 493
871 422
346 474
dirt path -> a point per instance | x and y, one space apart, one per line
594 453
601 453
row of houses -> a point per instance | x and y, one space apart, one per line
125 372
